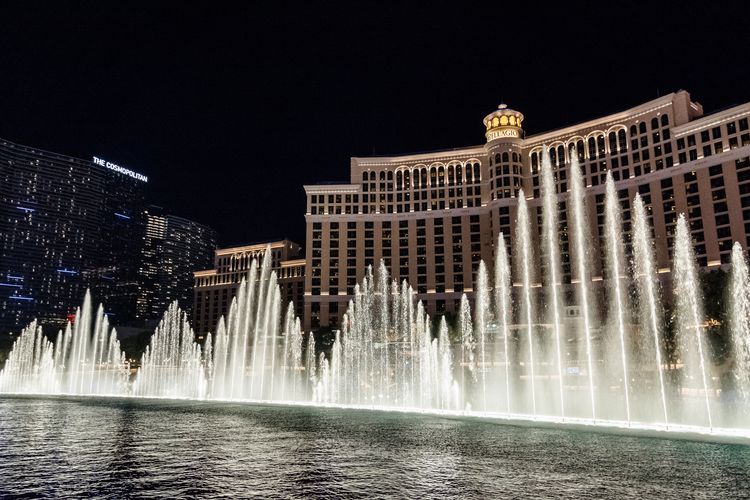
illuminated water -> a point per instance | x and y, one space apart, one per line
145 448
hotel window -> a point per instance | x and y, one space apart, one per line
642 127
613 143
581 150
622 141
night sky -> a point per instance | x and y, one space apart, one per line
230 110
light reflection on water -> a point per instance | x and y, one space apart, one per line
125 448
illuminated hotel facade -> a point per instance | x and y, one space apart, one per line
215 288
431 217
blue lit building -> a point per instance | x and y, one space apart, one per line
66 224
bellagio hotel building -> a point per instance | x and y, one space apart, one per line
433 216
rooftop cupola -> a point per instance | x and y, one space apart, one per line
504 123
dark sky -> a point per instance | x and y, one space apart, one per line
230 109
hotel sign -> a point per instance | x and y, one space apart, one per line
502 133
121 170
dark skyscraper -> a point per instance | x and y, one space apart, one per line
65 224
173 248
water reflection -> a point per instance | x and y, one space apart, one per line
125 448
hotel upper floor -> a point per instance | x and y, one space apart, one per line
663 133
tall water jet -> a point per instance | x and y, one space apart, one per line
383 288
523 236
481 308
648 299
259 323
468 344
739 321
552 250
311 362
577 193
172 365
502 306
689 310
615 260
446 367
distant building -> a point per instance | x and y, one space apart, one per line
173 248
65 223
432 216
215 288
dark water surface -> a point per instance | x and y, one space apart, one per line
125 448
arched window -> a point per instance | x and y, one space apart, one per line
613 143
560 155
505 157
382 175
433 177
516 157
621 139
553 156
364 176
642 127
423 175
416 179
407 179
450 174
477 174
571 150
497 158
390 175
372 176
468 173
654 123
600 145
592 148
441 176
664 120
399 180
580 149
534 162
633 130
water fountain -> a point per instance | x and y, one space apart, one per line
173 365
85 359
509 353
739 318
